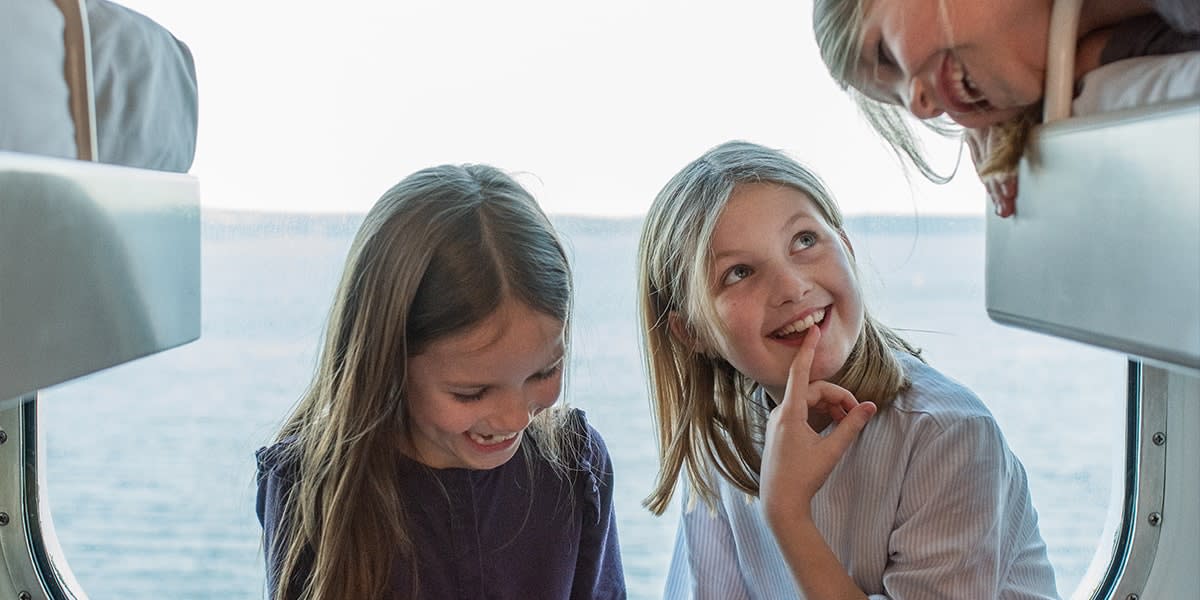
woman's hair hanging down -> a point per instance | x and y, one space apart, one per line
837 26
709 415
436 255
1010 140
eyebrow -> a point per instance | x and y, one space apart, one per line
559 359
788 224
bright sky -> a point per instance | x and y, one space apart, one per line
310 106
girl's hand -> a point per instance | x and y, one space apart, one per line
796 459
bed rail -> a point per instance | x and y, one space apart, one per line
99 265
1105 246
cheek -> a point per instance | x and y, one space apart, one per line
443 417
415 409
547 397
853 311
857 313
541 395
731 308
733 318
854 320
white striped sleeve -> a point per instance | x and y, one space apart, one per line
704 565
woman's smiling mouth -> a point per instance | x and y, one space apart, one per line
959 92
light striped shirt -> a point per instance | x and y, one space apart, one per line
928 503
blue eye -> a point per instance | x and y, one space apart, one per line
804 239
735 274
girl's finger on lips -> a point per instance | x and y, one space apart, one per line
798 376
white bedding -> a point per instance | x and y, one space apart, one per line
144 86
1138 82
34 113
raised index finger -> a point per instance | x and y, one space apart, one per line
798 375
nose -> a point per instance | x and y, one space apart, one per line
790 285
920 101
513 413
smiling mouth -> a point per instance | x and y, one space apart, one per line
963 91
796 328
491 440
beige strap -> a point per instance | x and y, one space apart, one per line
78 73
1060 59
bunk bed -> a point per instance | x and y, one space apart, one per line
99 263
1105 250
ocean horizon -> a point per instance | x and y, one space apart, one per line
150 469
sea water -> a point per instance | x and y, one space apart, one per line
150 470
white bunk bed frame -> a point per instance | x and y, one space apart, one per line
134 236
1105 250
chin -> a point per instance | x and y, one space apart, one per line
823 373
985 119
499 459
828 371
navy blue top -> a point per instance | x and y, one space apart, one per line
489 534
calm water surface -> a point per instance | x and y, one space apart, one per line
150 468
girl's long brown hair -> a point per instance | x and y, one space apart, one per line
436 255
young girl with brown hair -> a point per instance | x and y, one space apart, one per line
428 459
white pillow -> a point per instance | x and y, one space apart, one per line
144 86
1140 81
35 113
145 90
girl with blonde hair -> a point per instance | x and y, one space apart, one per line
757 342
427 458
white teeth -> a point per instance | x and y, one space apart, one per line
964 89
801 325
488 440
